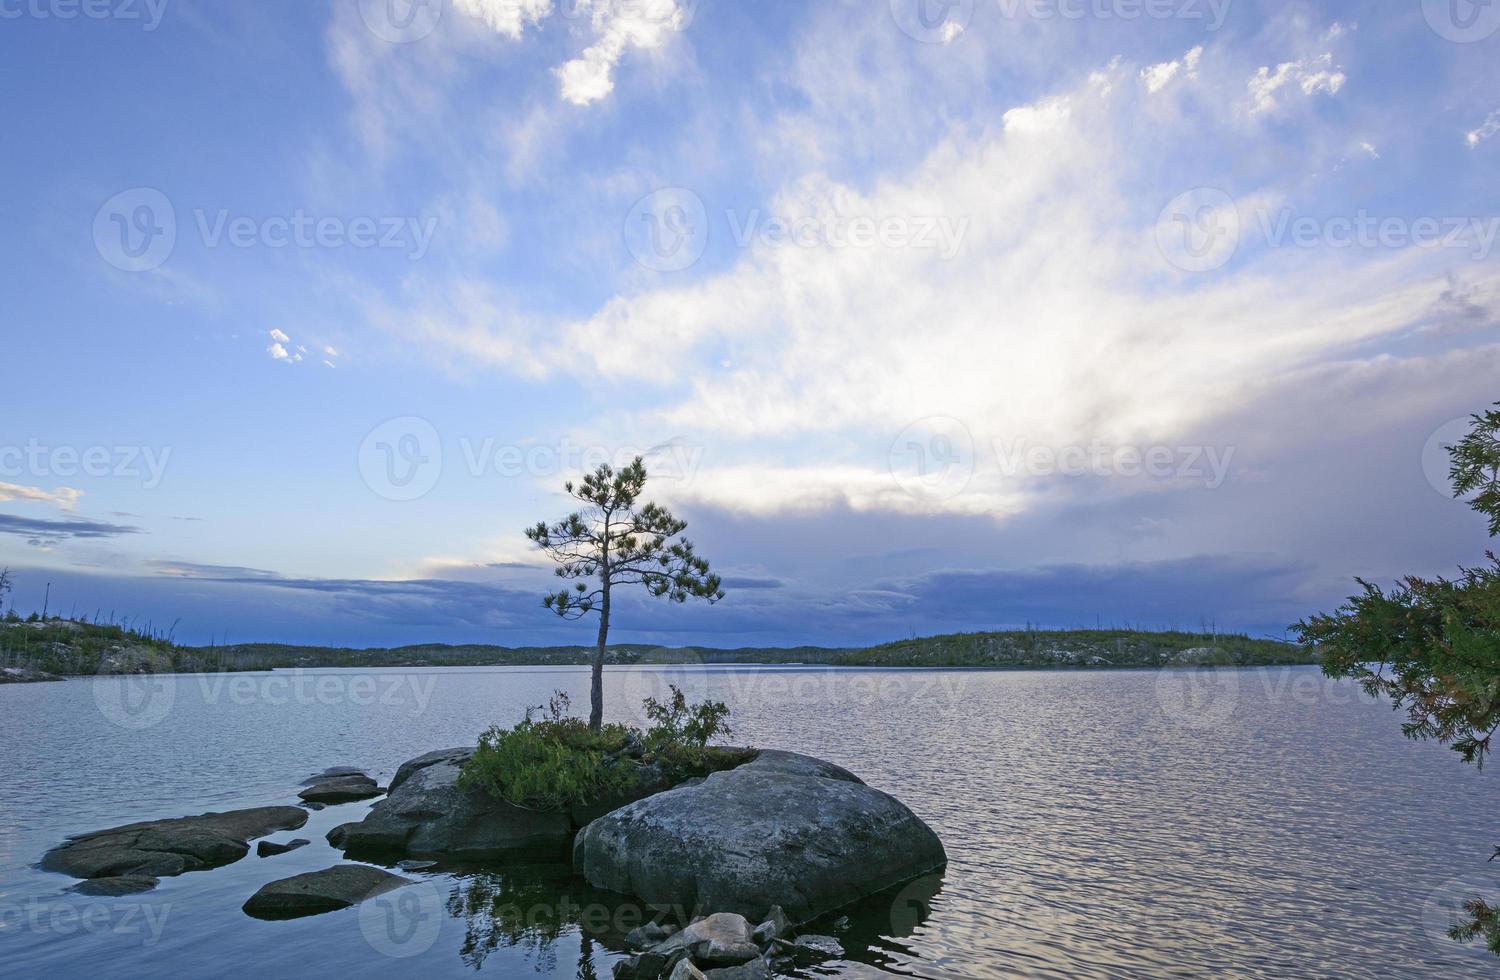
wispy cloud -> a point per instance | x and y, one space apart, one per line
63 498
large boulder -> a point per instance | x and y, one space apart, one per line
322 891
782 830
162 848
426 813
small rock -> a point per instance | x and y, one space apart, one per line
322 891
722 939
753 970
336 772
344 789
686 971
315 807
117 886
816 948
416 865
646 936
267 849
776 926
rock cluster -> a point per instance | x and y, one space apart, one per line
722 946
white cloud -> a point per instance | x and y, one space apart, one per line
63 498
507 17
1310 76
278 352
1490 127
280 337
1158 77
645 24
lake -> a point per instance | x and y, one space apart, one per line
1098 824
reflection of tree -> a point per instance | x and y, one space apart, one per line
877 925
530 908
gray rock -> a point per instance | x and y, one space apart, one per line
754 970
115 887
787 831
721 939
408 769
343 789
686 970
322 891
646 936
336 772
425 813
416 865
267 849
163 848
776 926
25 675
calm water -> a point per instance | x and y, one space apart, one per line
1251 823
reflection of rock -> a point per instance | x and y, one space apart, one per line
322 891
162 848
115 887
781 830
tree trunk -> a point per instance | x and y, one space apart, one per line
596 695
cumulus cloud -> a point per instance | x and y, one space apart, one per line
507 17
63 498
1158 77
1308 76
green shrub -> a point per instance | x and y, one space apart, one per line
559 762
549 765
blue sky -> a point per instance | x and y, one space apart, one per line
970 316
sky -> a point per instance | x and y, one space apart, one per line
927 315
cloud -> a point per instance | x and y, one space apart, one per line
1490 127
280 337
507 17
63 498
45 533
1309 76
1158 77
618 27
278 352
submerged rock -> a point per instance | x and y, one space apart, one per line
267 849
337 772
782 829
322 891
163 848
